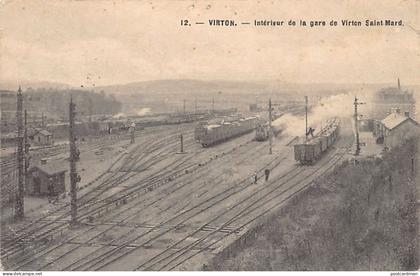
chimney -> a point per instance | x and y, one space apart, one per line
399 85
407 114
43 161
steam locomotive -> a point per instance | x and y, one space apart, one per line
262 131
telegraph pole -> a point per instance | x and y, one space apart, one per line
195 105
356 125
182 143
19 207
132 129
74 157
212 104
270 137
27 157
90 110
184 105
306 117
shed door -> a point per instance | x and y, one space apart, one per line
37 185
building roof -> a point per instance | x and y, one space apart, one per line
51 168
43 132
394 119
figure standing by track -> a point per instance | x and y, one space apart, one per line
267 174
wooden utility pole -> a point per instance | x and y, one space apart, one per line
270 137
132 130
74 157
306 117
19 203
90 110
195 105
212 104
356 124
27 157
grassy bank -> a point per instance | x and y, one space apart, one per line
359 217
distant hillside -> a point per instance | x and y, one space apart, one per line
188 86
54 102
215 86
13 86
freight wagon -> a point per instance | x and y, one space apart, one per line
311 150
209 135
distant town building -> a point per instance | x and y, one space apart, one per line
46 179
42 137
389 98
396 128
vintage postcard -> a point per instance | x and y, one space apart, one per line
200 135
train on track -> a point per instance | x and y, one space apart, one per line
262 128
210 134
310 151
262 131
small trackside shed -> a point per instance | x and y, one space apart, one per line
46 179
397 128
43 137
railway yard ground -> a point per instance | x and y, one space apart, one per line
145 206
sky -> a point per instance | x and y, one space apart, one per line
114 42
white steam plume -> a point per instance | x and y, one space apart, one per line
118 115
340 106
143 111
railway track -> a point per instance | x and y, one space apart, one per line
105 259
47 231
258 207
92 196
151 230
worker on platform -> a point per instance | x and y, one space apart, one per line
310 131
267 174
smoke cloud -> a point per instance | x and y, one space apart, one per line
118 115
143 111
340 106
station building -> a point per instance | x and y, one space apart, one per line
396 128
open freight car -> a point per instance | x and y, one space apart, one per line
310 151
